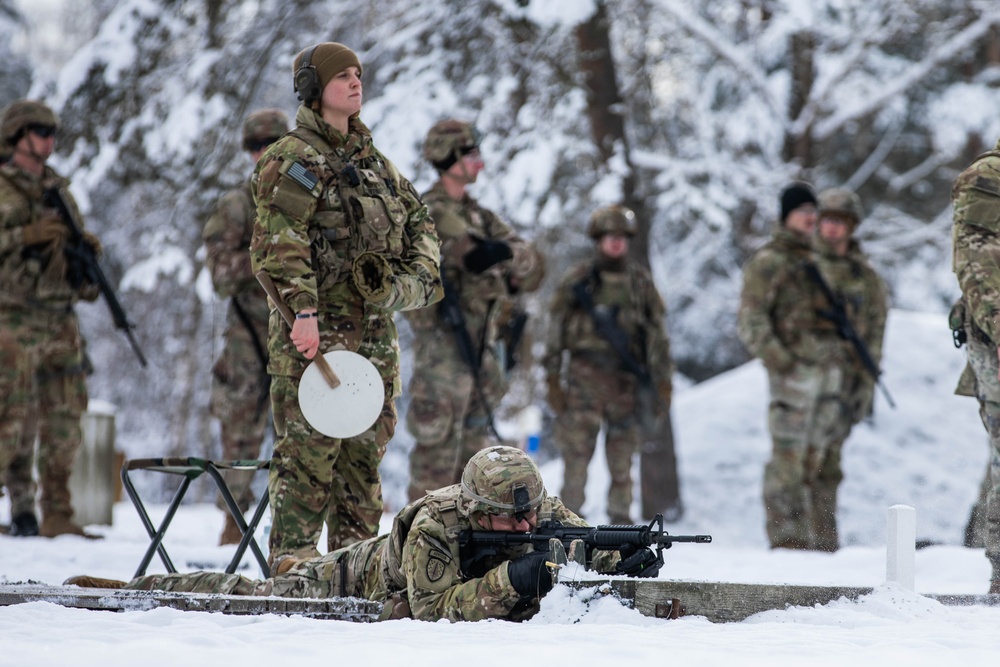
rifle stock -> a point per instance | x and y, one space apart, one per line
80 254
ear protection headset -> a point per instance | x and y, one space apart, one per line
307 83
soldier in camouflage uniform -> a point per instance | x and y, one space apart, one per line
816 382
38 324
596 386
976 240
239 378
347 242
484 263
415 570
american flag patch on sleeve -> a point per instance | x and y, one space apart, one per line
302 176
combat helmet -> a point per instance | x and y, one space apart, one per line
502 480
449 140
842 201
263 126
615 219
22 113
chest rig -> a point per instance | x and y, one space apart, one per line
359 210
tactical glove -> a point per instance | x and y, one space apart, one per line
642 562
529 576
486 253
44 230
555 397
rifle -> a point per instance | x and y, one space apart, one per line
633 542
83 267
451 314
608 329
838 315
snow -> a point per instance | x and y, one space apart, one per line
929 453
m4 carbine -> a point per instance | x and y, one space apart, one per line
83 267
635 543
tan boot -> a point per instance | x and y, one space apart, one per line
60 524
230 532
995 587
283 564
84 581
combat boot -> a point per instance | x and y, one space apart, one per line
85 581
231 533
60 524
995 587
24 525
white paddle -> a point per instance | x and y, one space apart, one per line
341 393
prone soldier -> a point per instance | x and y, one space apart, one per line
416 570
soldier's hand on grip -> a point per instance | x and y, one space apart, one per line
529 575
44 230
486 254
641 563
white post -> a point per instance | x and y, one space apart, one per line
901 545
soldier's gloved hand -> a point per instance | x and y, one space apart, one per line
641 562
44 230
555 397
486 253
529 576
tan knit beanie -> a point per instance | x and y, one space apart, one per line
329 59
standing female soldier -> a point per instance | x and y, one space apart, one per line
346 241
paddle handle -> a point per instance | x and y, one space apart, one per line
286 313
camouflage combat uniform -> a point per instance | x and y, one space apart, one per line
41 332
814 376
239 377
597 386
446 416
328 204
976 240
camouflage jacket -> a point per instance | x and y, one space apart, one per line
227 236
34 276
322 200
421 558
865 299
631 296
778 320
976 241
457 222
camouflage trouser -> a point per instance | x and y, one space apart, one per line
983 359
808 424
596 396
446 416
349 572
314 478
240 402
13 404
19 479
52 387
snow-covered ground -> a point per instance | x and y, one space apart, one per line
928 453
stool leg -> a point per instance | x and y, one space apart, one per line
156 546
234 510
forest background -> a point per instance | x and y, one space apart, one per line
693 113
